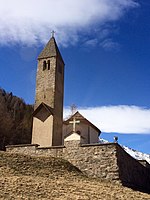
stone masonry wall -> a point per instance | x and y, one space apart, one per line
95 160
131 172
28 149
105 161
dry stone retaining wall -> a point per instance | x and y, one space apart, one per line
105 161
131 172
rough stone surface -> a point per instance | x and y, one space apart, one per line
104 161
131 171
49 90
24 177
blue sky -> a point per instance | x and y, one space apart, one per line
105 45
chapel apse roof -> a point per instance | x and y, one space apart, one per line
50 50
80 117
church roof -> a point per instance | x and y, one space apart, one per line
82 119
48 108
50 50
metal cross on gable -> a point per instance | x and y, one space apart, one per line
74 122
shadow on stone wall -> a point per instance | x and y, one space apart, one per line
131 172
104 161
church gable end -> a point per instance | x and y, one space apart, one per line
78 124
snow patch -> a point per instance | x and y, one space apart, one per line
135 154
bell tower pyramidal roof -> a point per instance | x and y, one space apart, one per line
50 50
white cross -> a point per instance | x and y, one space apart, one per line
74 122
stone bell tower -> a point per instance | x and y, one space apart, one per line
48 108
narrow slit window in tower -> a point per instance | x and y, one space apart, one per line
49 64
44 65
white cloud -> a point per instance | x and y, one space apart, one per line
109 44
120 119
91 42
30 21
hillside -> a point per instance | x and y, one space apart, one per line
15 120
25 177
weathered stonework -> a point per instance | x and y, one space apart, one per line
105 161
49 93
131 171
45 83
23 149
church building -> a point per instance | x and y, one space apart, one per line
48 126
78 127
75 139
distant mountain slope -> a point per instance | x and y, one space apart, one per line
15 120
26 177
135 154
